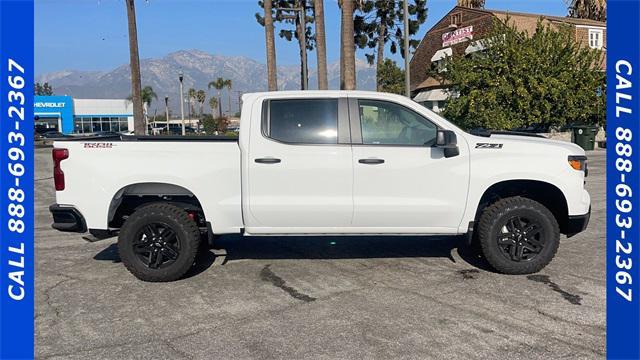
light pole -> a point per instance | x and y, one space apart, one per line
406 48
181 77
166 111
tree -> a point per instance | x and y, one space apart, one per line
587 9
201 97
474 4
390 77
134 64
148 95
218 84
213 104
348 51
222 124
191 94
542 80
47 89
290 14
42 89
228 84
381 21
321 45
267 22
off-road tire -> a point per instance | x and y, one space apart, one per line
187 233
495 216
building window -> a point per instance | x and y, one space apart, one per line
86 125
595 38
456 19
438 60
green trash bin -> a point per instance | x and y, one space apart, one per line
585 136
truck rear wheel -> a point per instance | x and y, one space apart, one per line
158 242
518 235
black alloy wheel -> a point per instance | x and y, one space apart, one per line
156 245
521 239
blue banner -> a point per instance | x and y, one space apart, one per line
16 179
623 182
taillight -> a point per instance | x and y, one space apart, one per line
58 175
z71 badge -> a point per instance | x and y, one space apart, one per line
488 146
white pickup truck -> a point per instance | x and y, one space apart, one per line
323 162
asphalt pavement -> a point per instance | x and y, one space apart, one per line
319 297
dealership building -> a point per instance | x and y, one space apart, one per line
80 116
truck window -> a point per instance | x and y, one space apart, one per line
387 123
303 121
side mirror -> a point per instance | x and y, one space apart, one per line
447 140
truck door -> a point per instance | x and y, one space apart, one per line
300 172
401 181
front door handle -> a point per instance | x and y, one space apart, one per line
267 161
371 161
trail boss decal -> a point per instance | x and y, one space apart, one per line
488 146
98 145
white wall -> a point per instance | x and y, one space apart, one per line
113 107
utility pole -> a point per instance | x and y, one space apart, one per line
303 33
301 25
181 77
166 111
406 49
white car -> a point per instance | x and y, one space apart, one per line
323 162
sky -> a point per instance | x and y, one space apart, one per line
92 34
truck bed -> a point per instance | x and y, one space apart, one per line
99 171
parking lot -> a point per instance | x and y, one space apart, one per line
320 297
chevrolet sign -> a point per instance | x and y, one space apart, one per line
49 104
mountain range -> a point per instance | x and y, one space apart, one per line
199 68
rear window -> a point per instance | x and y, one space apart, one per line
303 121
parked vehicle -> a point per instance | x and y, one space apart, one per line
52 135
323 162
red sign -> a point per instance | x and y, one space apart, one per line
457 36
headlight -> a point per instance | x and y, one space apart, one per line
579 162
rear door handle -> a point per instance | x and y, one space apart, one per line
371 161
267 161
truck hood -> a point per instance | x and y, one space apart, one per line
527 141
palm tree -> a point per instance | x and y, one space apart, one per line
148 95
321 45
213 104
272 78
348 45
191 94
587 9
201 96
228 84
218 84
134 63
474 4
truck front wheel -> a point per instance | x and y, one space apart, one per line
158 242
518 235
